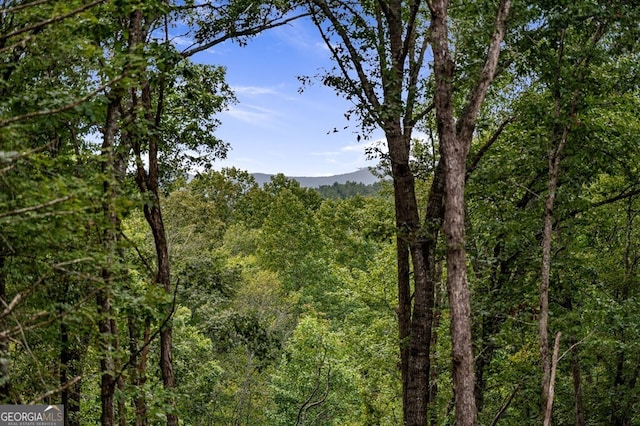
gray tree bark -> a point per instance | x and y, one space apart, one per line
455 140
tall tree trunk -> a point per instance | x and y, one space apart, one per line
415 252
109 236
624 382
437 315
546 418
400 75
119 381
454 155
70 367
577 383
154 218
558 143
148 184
107 384
138 362
543 322
153 214
404 315
455 139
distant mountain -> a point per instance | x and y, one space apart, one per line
361 176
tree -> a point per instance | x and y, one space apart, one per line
50 178
577 40
455 140
380 52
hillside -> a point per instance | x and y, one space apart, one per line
361 176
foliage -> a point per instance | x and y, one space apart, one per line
285 308
348 190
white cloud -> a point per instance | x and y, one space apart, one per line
182 41
254 115
326 154
360 147
254 90
322 46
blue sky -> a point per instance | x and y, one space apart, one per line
273 128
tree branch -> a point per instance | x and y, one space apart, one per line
505 405
55 391
67 107
49 21
13 9
476 159
366 85
244 33
23 155
38 207
622 196
472 109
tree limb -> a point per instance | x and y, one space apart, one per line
19 156
235 34
37 207
476 159
622 196
505 405
67 107
552 380
367 87
13 9
55 391
49 21
472 109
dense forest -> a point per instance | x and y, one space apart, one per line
491 277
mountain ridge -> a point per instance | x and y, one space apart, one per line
364 176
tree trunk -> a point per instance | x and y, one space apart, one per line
546 420
415 252
455 139
107 384
624 382
119 382
437 314
154 218
454 155
70 367
148 184
543 322
107 336
559 141
577 383
138 362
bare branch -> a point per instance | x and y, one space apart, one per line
50 20
22 6
11 306
67 107
56 390
23 155
468 120
244 33
38 207
476 159
505 405
575 344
